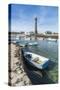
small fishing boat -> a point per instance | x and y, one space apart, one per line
50 39
36 60
27 43
32 43
23 45
14 41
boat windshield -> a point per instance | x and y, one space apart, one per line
29 56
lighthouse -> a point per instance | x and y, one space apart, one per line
36 28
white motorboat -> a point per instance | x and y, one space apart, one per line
14 41
32 43
50 39
36 60
27 43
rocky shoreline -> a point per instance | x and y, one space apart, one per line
16 73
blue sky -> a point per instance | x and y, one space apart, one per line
22 18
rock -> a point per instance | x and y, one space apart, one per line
16 70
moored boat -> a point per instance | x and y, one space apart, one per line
36 60
27 43
32 43
50 39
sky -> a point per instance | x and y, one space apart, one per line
23 18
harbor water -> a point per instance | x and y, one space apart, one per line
48 49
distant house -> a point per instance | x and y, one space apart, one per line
48 32
16 35
27 33
55 33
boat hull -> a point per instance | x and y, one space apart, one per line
31 64
43 66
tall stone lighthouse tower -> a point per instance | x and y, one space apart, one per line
36 28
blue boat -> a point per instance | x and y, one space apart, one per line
36 60
24 43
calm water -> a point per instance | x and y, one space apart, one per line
50 50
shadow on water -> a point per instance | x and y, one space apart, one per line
51 65
38 76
